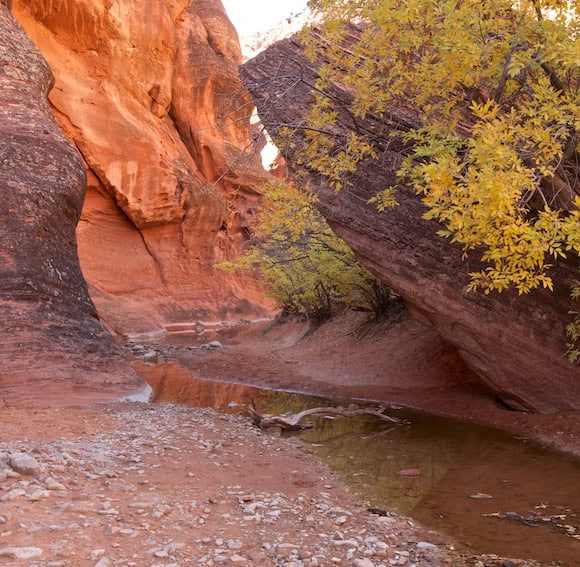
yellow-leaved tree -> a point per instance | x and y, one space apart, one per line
496 87
308 269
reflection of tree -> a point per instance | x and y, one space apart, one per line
370 462
282 402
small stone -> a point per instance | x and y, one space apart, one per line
52 484
150 356
163 510
13 494
341 520
21 552
215 344
409 472
425 545
24 464
172 547
480 496
103 562
345 542
96 554
37 495
233 544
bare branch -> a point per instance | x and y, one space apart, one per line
292 422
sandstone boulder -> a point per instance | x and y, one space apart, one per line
54 349
515 344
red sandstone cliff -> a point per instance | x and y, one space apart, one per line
515 344
54 349
148 91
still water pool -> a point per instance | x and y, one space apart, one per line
488 491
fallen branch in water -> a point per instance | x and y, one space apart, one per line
292 421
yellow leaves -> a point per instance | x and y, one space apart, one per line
487 110
308 269
497 89
384 200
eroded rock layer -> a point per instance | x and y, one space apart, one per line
515 344
54 349
148 91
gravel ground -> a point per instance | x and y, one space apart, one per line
164 486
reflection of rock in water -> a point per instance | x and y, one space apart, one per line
175 384
455 461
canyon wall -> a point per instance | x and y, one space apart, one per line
54 349
148 91
515 344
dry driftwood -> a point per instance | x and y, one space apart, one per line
291 422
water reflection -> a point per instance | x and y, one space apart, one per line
455 460
369 456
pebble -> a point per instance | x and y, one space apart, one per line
96 554
425 545
24 464
53 485
21 552
13 494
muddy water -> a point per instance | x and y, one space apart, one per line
458 462
528 499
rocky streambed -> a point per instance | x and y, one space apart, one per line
138 485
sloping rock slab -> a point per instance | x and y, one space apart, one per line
515 344
54 349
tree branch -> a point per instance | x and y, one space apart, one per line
292 422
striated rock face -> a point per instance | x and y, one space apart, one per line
515 344
54 350
148 91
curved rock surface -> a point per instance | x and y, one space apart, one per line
148 91
54 349
515 344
